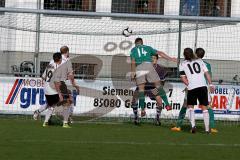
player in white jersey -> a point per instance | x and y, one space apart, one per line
193 72
47 75
60 99
51 94
70 79
65 57
57 82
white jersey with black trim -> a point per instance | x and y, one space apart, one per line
47 76
194 70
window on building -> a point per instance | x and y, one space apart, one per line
81 70
84 71
71 5
215 8
171 72
138 6
43 65
2 3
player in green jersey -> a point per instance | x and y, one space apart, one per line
142 70
148 92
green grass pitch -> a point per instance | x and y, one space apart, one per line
28 140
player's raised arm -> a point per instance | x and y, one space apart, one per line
165 56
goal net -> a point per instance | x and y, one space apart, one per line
100 49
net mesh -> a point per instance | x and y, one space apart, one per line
100 48
111 36
97 26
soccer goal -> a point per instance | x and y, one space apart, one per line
100 45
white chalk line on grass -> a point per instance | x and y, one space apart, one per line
126 142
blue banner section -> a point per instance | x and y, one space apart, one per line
190 8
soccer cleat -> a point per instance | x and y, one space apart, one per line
207 132
65 125
143 113
176 129
36 115
168 108
136 122
45 124
214 130
193 130
158 123
70 121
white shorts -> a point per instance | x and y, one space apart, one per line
145 72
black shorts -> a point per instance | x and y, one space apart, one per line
52 99
148 91
200 94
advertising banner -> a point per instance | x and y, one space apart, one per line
111 98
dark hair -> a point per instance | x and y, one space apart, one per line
188 54
57 56
200 52
138 40
64 49
156 55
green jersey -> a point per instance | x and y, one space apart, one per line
142 54
208 65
